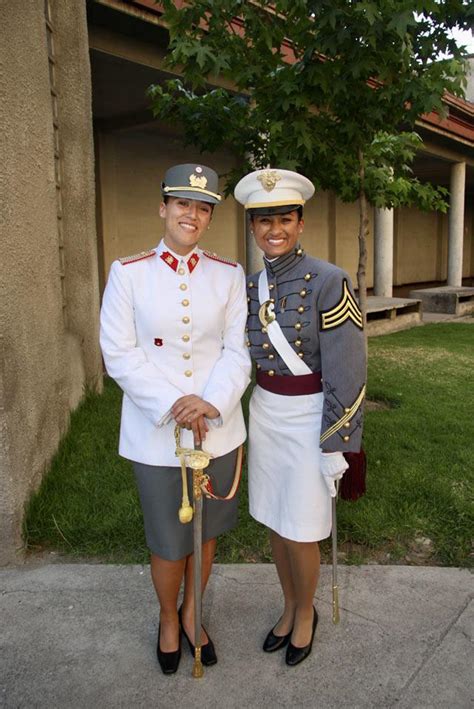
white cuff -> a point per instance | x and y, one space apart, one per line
214 423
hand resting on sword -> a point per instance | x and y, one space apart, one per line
191 411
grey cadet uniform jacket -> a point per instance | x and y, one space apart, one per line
318 314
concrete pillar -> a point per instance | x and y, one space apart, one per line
383 252
456 223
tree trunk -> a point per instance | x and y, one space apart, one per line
363 233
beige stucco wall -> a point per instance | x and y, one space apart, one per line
45 364
132 165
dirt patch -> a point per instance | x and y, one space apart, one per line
371 405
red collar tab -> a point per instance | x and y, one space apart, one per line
193 262
170 260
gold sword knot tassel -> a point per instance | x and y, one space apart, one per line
197 461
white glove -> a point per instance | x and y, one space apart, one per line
333 467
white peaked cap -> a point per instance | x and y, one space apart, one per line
273 188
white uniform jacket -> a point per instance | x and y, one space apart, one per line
170 326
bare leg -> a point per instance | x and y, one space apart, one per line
282 562
305 564
208 550
167 577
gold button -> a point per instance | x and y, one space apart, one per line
248 343
272 300
271 372
246 329
186 320
298 342
301 309
185 302
271 286
307 277
266 346
347 424
185 338
301 354
346 411
303 292
250 284
248 299
299 252
346 438
181 271
186 355
259 366
271 356
188 373
298 326
183 286
264 330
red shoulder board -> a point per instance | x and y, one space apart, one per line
137 257
221 259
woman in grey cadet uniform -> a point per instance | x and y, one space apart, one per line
305 333
172 336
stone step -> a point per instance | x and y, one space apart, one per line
446 299
385 315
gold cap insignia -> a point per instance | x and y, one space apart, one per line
268 178
196 181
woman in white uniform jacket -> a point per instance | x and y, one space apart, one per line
172 336
305 335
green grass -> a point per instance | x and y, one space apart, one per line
420 445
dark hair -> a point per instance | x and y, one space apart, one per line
257 213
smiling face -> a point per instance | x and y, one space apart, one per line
277 234
185 221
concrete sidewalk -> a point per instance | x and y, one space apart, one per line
84 636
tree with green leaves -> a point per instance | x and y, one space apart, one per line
331 88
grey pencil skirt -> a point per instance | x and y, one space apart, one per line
160 491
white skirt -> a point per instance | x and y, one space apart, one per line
287 492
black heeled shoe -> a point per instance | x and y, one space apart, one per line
274 642
169 661
208 651
295 655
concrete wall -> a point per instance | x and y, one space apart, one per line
49 337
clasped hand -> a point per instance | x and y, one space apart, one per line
191 411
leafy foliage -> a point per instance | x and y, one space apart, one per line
316 85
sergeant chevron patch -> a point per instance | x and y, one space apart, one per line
346 309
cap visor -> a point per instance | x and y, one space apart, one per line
269 211
198 196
